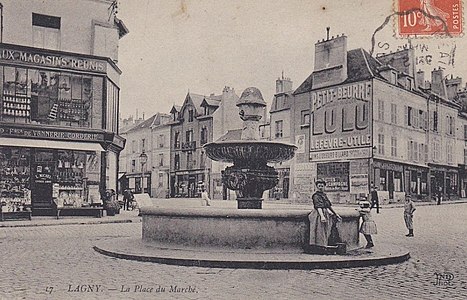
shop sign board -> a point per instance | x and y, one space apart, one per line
34 57
300 143
341 120
10 131
335 174
340 154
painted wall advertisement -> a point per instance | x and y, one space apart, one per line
359 176
300 143
341 126
336 175
304 177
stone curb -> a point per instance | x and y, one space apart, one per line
10 224
276 261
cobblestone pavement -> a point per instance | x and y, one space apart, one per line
57 262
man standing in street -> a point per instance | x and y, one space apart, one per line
374 198
409 209
439 194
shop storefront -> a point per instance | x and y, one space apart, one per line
281 190
136 183
388 178
416 181
58 141
444 178
188 184
43 178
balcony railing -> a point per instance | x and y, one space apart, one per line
189 146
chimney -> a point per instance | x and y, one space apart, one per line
420 79
438 85
283 84
330 61
453 85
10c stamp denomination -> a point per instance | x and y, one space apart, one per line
429 17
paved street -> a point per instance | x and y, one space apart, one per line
57 262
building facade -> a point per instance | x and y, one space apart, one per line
375 121
59 103
280 130
149 138
191 128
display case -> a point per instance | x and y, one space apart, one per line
70 178
15 191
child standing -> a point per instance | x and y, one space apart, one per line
409 209
368 226
205 197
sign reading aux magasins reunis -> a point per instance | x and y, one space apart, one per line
32 57
341 117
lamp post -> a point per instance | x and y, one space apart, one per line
143 158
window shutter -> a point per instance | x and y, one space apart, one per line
409 152
406 118
426 153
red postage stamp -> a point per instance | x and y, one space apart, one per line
430 17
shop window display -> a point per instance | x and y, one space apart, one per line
69 174
41 178
15 192
52 98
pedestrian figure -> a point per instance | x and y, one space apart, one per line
205 197
128 198
322 217
368 226
374 198
409 209
439 195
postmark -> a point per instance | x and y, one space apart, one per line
424 18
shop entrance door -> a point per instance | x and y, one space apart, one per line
391 184
41 195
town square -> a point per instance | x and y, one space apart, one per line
232 149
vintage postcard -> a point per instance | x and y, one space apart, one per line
216 149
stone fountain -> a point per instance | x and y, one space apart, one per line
250 175
249 237
248 227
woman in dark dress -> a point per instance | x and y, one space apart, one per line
322 217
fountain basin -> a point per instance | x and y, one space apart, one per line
268 230
249 151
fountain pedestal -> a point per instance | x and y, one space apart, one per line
250 175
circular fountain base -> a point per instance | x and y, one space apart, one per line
270 229
231 238
138 250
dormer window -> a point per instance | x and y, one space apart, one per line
190 115
409 84
393 77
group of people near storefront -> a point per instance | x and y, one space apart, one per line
323 219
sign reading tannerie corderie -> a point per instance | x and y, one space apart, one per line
7 131
33 57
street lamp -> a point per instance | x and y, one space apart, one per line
143 158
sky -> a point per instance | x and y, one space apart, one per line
176 46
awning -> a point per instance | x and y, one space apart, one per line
71 145
121 174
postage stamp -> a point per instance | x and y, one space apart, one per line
429 17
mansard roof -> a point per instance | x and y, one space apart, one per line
360 66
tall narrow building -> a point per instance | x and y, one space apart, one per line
59 87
